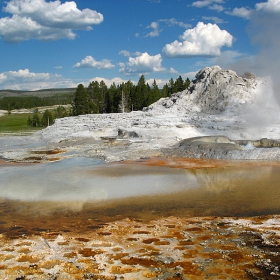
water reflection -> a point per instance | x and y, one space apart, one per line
87 179
225 179
238 191
83 184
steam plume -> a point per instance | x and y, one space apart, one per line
264 30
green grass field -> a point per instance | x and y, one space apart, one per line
16 124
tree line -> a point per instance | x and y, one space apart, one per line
18 102
97 98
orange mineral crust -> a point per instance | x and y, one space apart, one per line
197 163
164 248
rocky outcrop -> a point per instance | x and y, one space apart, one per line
217 147
214 91
221 147
210 150
218 102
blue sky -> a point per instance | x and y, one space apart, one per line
54 44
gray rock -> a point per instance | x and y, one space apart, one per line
205 139
123 133
207 147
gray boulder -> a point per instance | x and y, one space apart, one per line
124 134
216 147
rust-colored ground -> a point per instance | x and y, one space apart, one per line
197 163
165 248
37 156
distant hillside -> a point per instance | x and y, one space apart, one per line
17 99
39 93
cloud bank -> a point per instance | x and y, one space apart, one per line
23 79
203 40
41 20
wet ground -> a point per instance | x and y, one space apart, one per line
164 248
226 225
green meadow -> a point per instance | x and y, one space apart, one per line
16 123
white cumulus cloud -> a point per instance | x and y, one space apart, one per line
23 79
90 62
271 6
42 20
143 63
18 29
203 40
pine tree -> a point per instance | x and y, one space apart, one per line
171 87
113 99
179 84
154 94
102 98
187 83
80 102
165 91
98 97
127 89
93 92
140 96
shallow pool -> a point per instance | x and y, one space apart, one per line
239 189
